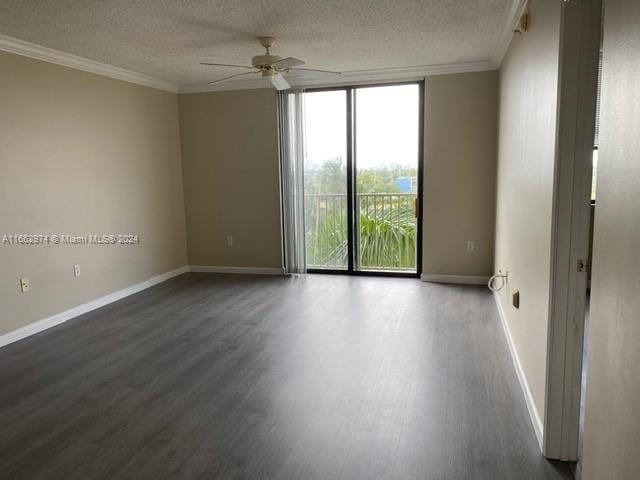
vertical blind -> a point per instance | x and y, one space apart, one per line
291 136
597 131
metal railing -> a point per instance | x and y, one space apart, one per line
386 237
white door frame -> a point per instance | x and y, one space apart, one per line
577 87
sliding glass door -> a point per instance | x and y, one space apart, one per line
325 180
386 177
362 179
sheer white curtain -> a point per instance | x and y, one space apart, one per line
291 130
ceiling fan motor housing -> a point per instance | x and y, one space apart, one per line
264 61
269 66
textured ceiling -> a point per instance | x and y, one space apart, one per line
167 39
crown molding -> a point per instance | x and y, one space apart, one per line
517 9
380 75
38 52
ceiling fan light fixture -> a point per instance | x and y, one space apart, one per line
279 82
260 61
269 66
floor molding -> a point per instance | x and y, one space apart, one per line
528 396
243 270
62 317
38 52
461 279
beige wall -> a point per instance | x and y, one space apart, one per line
84 154
526 145
230 159
612 422
230 163
460 134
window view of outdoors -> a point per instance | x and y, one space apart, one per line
387 139
325 179
386 131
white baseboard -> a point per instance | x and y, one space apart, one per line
461 279
62 317
528 396
244 270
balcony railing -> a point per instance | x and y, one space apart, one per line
385 231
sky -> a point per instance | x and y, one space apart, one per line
387 124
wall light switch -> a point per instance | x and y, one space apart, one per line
25 285
471 246
76 270
230 241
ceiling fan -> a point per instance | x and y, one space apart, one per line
269 66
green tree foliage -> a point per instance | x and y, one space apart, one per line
387 235
331 177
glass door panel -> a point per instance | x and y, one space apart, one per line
325 180
387 140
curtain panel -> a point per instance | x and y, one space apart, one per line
291 136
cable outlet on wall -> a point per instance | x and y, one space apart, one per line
25 285
76 270
471 245
515 298
230 241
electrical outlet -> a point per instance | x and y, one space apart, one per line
25 285
230 241
76 270
471 246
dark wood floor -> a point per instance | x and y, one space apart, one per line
319 377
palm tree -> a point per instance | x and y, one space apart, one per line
385 241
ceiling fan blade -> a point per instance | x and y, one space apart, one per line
224 65
288 62
280 82
316 70
232 76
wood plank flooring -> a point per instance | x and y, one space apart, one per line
312 377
